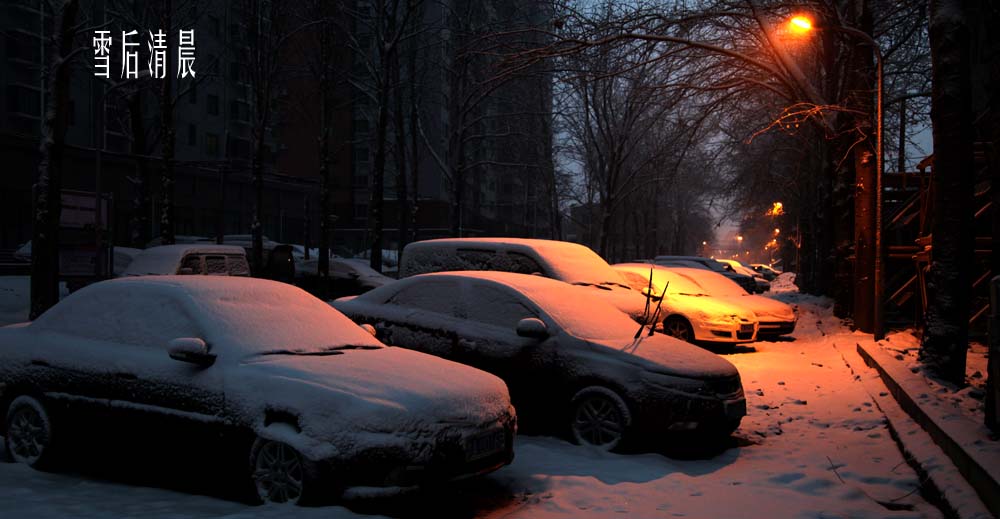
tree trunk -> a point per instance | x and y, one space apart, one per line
946 329
140 234
402 197
167 234
48 186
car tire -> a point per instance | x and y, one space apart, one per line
599 418
280 473
29 432
678 328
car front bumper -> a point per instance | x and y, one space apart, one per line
774 328
717 410
455 453
728 332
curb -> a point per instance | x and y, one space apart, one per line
950 431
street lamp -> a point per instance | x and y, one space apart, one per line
801 25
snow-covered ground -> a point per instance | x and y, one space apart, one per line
814 445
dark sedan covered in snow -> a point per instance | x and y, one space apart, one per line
570 359
321 404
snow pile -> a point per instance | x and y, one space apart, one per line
785 282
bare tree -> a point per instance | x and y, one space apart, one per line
48 184
947 321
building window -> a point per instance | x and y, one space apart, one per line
361 211
192 135
234 70
23 100
213 23
212 144
193 93
213 105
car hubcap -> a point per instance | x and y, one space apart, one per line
598 422
677 329
278 473
27 435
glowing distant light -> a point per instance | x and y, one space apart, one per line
777 230
704 243
739 238
800 24
777 209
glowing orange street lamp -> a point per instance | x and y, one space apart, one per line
802 25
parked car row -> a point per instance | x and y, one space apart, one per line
428 383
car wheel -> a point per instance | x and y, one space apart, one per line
280 473
679 328
599 418
29 432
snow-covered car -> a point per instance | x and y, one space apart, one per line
568 262
189 259
688 313
322 404
746 282
572 361
762 284
349 276
774 317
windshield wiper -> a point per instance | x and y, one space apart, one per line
337 349
617 284
586 284
302 353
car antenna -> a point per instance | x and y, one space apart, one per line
656 314
645 312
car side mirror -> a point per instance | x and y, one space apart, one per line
370 329
532 327
191 349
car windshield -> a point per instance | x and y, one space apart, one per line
574 263
713 284
256 320
679 284
582 314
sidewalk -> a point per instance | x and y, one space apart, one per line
969 445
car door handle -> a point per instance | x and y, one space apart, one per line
126 376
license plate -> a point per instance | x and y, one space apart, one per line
484 444
746 328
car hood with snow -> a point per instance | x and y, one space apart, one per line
380 390
668 356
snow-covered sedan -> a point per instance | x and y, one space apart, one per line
321 404
572 361
687 312
571 263
774 317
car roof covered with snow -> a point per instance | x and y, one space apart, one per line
237 314
165 259
565 261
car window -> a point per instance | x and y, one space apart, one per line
216 266
476 259
117 315
238 265
191 264
524 264
432 295
494 306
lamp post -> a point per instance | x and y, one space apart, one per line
801 25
